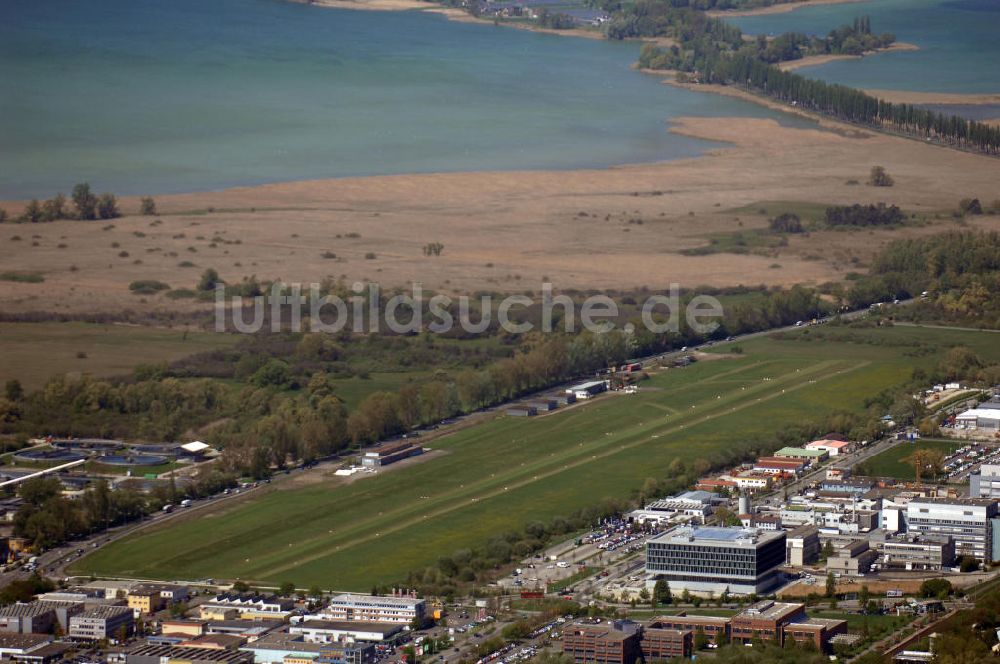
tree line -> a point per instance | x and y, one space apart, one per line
711 51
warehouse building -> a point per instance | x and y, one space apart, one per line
833 447
588 390
715 560
333 631
811 456
387 453
153 654
982 419
37 617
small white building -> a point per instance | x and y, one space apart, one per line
985 419
831 447
589 389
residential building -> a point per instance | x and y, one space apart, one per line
372 608
152 654
104 622
802 546
913 553
968 521
609 643
717 560
853 558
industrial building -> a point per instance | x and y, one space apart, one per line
694 506
333 631
37 617
812 456
833 447
917 553
717 560
226 606
970 522
588 389
372 608
982 419
104 622
853 558
387 453
802 546
985 483
153 654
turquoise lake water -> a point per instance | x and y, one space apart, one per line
959 43
156 96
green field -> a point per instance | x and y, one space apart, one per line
895 462
502 474
34 352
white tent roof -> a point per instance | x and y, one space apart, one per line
195 447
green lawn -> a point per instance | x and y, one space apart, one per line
34 352
895 462
504 473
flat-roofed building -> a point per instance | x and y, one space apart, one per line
985 483
779 465
104 622
811 456
831 447
717 560
802 546
19 645
145 600
913 553
388 453
764 621
372 608
183 627
817 631
249 629
589 389
37 617
968 521
854 558
333 631
246 605
663 644
612 643
345 653
150 654
980 419
715 628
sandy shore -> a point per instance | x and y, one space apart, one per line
623 227
371 5
910 97
814 60
779 8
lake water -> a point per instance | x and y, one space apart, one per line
959 43
147 96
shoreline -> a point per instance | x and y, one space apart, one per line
816 60
945 98
782 8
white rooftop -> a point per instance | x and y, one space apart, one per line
194 447
985 413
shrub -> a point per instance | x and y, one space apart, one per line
107 207
786 223
148 286
328 254
181 293
22 277
370 256
147 206
970 206
939 588
879 178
